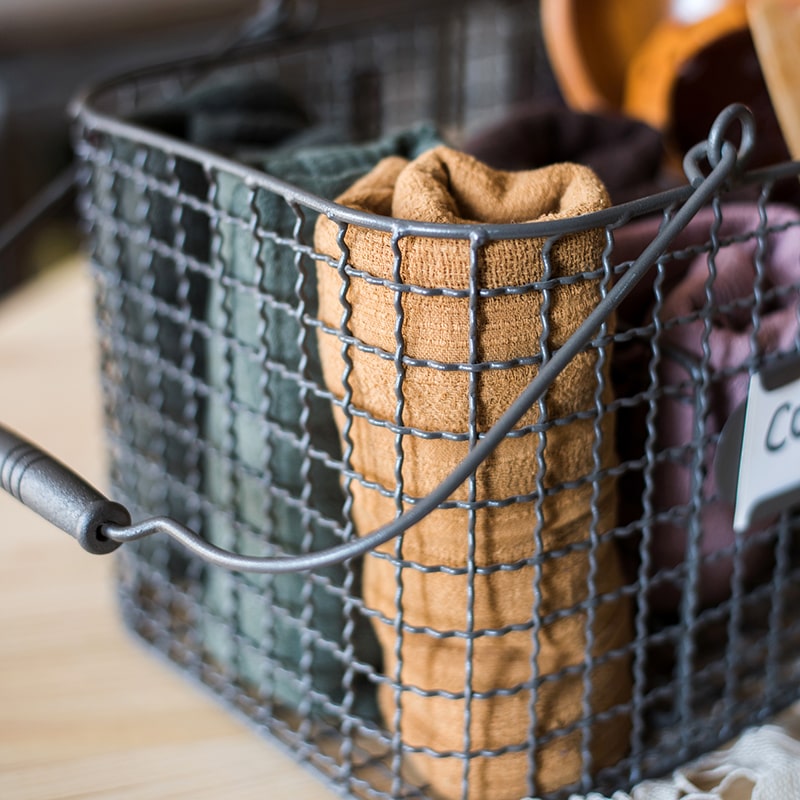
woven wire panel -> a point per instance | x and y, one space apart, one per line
218 414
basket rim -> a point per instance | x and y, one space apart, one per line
85 115
92 119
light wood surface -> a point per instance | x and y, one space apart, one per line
84 711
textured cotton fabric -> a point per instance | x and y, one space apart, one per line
256 473
731 341
761 764
444 185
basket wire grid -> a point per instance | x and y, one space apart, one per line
269 481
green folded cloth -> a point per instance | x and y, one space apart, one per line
146 238
284 635
157 239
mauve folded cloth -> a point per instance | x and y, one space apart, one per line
432 663
626 154
255 471
730 343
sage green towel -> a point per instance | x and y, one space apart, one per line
285 634
142 238
155 234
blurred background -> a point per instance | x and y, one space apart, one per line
670 63
49 49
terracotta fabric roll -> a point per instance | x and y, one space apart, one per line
730 344
430 649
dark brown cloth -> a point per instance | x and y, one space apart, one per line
626 154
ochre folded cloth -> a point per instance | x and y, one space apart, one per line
730 343
422 664
625 153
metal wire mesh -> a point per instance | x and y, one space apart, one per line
218 415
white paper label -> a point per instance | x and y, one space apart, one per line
769 464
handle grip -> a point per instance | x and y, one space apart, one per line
56 493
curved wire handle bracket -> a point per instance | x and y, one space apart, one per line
108 525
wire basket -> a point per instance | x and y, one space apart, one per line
567 615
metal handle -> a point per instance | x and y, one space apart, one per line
100 526
56 493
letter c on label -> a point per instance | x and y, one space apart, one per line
772 446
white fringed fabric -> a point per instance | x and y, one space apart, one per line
761 764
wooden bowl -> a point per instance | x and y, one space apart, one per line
590 43
666 53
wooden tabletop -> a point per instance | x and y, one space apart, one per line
85 712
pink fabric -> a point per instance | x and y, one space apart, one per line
730 346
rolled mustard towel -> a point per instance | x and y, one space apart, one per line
731 341
429 668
